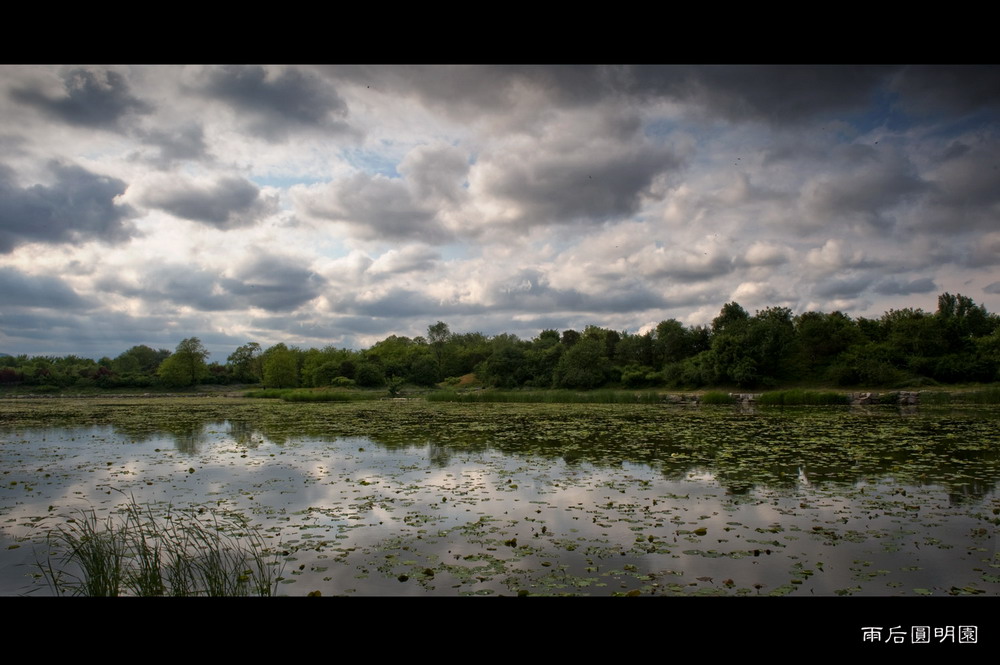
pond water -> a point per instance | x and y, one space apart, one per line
441 499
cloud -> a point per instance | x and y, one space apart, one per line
774 95
593 168
18 289
273 283
184 142
766 254
412 258
77 207
98 99
374 207
956 89
890 287
276 102
867 192
226 203
841 288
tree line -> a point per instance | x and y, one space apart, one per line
960 342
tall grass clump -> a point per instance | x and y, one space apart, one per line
267 393
799 397
317 396
138 554
310 395
716 397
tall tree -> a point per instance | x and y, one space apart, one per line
186 366
280 367
245 363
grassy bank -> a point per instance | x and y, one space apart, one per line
309 395
548 396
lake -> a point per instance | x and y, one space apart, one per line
415 498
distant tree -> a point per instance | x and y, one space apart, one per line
245 363
369 374
438 335
280 367
583 365
732 316
424 371
186 366
570 337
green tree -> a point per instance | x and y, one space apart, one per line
280 367
186 366
245 363
583 365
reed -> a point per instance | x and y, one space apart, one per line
139 554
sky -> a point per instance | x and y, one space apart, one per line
338 205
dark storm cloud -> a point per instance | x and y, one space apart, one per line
99 99
867 192
271 283
180 284
276 284
776 95
992 288
467 92
596 187
968 176
964 189
841 288
891 287
291 99
957 90
79 206
401 302
228 203
20 290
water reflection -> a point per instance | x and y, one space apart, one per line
795 502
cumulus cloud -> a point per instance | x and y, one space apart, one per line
412 258
762 253
18 289
493 198
78 206
592 168
226 203
866 194
174 144
276 102
273 283
374 207
268 282
98 99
